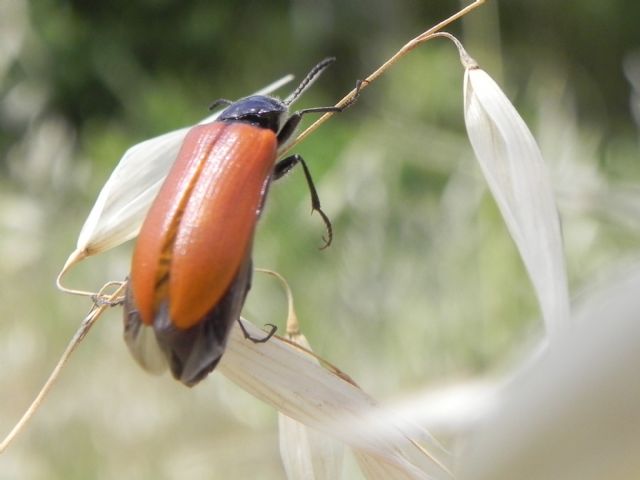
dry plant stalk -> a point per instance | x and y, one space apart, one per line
96 311
408 47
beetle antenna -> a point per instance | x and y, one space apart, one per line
221 101
311 77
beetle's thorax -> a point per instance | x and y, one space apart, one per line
258 110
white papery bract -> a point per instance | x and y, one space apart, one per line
575 413
127 195
293 381
125 199
307 453
519 181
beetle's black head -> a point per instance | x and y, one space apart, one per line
258 110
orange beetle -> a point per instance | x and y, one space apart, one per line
191 267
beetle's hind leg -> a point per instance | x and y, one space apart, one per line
264 339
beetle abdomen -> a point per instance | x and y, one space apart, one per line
194 352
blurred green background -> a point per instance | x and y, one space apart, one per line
422 285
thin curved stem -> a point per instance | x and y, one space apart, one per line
93 315
408 47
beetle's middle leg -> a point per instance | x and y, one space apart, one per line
283 167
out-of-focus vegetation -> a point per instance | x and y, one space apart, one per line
422 284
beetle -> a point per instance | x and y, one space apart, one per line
191 268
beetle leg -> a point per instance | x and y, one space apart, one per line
290 126
248 336
334 109
282 168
